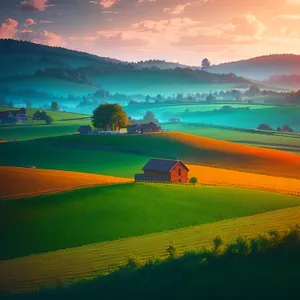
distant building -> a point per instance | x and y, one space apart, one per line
164 170
13 116
143 128
85 129
175 120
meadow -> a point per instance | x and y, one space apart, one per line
106 213
63 123
25 132
59 268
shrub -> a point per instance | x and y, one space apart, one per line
172 251
193 180
218 242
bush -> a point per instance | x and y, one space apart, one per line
193 180
172 251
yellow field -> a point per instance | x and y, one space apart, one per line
22 182
81 263
221 177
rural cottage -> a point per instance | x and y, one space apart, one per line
164 170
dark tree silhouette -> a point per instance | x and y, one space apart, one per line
205 63
55 106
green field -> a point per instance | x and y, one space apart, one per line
273 140
63 123
56 115
28 132
86 216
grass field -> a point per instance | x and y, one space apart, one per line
112 212
86 262
125 155
63 123
56 115
273 140
27 132
32 182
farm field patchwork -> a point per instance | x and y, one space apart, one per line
125 155
111 212
30 182
86 262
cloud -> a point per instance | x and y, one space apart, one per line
105 3
29 22
45 22
288 17
178 9
8 28
45 37
34 5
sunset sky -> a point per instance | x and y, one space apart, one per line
182 31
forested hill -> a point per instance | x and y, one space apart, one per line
262 67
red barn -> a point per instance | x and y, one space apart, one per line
164 170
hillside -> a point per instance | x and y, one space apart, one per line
262 67
192 149
107 213
289 81
30 66
83 263
35 182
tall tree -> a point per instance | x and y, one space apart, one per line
149 117
205 63
55 106
109 116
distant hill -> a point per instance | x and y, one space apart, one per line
261 68
163 65
289 81
47 69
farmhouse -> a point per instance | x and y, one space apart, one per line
143 128
164 170
13 116
85 129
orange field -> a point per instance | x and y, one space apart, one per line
227 155
22 182
221 177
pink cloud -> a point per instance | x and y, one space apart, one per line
105 3
29 22
8 28
34 5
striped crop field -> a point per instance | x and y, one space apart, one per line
83 263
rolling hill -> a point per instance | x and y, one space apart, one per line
31 182
189 148
262 67
32 66
87 262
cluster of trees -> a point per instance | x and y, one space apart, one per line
3 102
148 118
42 115
284 128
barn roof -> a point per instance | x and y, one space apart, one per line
162 165
85 127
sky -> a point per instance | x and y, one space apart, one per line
184 31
